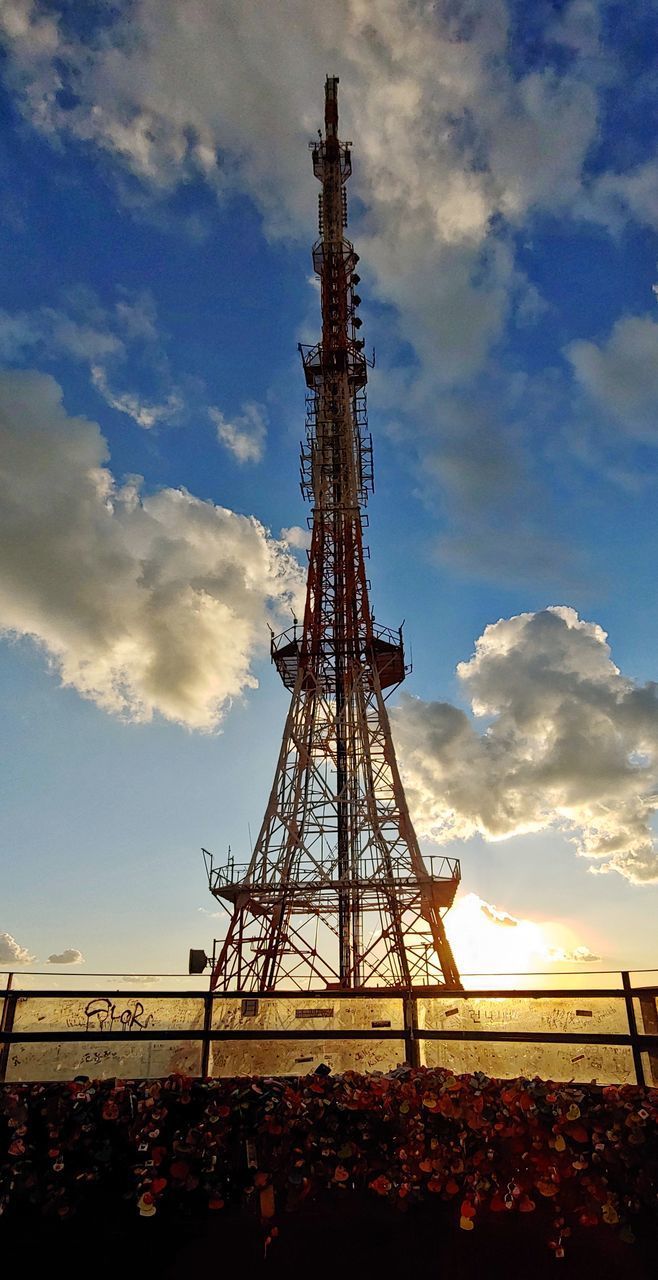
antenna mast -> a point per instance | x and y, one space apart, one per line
337 892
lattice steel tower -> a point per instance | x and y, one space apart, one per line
337 892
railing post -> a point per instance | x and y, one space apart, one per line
207 1028
632 1027
7 1026
650 1026
411 1045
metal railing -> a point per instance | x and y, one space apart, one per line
134 1024
437 865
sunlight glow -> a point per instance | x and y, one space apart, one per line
486 939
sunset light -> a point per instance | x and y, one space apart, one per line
486 939
328 617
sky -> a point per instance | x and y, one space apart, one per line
157 209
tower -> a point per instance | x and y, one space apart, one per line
337 893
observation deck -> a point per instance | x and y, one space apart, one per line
385 653
321 882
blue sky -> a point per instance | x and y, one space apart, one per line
156 219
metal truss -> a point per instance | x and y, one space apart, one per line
337 892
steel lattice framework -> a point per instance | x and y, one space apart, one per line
337 892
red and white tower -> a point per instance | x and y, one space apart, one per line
337 892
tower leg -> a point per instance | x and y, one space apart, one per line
443 949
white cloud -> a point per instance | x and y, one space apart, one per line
486 939
144 414
11 951
106 339
448 137
570 743
579 955
144 604
454 150
296 537
244 434
81 327
496 916
70 956
102 338
615 199
56 332
621 373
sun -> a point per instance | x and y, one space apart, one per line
485 939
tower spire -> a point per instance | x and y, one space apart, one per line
337 893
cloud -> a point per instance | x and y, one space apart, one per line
244 434
144 414
141 979
11 951
497 517
450 136
103 338
462 137
617 198
621 374
296 537
570 743
578 27
498 917
70 956
486 939
108 339
18 333
58 333
579 955
144 603
456 149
